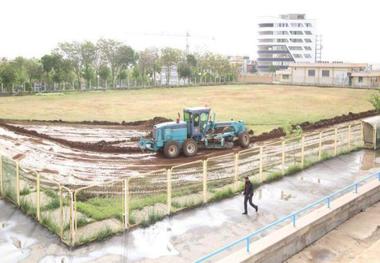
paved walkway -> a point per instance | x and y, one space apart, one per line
356 240
190 235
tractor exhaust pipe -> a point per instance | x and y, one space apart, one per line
178 118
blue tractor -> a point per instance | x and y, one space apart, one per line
196 131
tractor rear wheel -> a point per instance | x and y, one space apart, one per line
244 139
171 149
190 148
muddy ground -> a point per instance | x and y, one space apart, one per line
86 152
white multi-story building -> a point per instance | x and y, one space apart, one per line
286 39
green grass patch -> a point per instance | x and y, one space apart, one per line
27 208
53 204
50 224
222 194
101 208
25 191
153 217
99 236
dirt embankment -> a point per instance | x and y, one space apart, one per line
101 146
308 126
142 124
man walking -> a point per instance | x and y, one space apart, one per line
248 194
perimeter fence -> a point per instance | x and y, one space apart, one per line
79 215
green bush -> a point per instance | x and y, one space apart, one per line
375 100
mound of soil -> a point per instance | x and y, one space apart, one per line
143 123
102 146
307 126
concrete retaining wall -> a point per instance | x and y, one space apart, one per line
283 243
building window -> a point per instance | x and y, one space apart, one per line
360 79
296 25
281 33
326 73
296 32
266 25
308 40
296 40
282 40
308 33
311 72
308 25
307 48
295 48
285 76
297 56
307 56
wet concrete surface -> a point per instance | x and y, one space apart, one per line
356 240
189 235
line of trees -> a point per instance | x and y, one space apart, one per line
110 64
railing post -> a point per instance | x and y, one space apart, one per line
18 183
75 211
126 203
261 164
303 151
335 141
1 177
247 244
236 170
38 186
362 133
328 202
169 189
61 210
283 157
72 220
349 137
204 181
356 188
294 219
320 146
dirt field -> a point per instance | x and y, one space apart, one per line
86 152
262 107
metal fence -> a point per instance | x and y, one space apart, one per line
94 212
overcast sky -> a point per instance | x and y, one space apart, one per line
29 28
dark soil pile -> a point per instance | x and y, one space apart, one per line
307 126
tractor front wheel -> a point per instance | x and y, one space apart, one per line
171 149
244 139
190 148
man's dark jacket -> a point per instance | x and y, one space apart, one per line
248 188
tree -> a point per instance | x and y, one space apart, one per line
147 63
184 70
57 68
169 58
272 68
8 75
73 53
88 60
117 56
104 72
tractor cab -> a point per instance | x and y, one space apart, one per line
197 120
